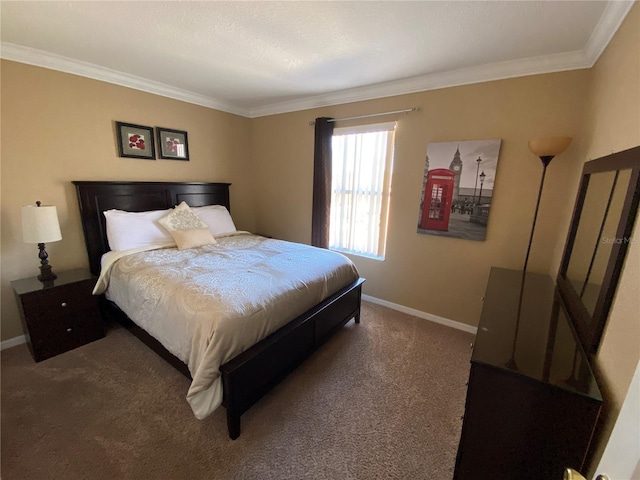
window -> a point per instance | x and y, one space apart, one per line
360 188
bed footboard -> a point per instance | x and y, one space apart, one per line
247 377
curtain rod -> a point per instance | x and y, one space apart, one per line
406 110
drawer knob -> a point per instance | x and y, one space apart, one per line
63 304
471 346
69 330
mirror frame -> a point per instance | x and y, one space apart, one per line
590 327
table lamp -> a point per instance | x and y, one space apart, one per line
40 225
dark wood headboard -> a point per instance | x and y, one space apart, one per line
96 197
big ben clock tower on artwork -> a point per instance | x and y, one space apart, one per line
456 168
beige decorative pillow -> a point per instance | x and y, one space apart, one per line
186 228
193 238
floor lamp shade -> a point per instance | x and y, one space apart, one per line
549 147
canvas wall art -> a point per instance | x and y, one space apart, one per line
457 188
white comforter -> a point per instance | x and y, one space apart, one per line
208 304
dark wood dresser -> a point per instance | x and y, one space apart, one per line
59 316
532 400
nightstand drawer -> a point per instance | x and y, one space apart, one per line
61 315
62 300
61 334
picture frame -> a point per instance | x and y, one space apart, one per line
172 144
135 141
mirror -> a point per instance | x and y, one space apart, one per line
601 228
597 225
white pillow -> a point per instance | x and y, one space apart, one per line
181 218
192 238
126 230
186 228
216 217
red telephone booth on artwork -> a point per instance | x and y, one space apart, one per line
438 194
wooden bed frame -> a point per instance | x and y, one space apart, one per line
248 376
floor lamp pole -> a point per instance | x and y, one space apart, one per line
545 159
545 162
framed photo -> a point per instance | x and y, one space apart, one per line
135 141
172 144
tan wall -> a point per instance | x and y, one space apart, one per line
613 124
441 276
58 127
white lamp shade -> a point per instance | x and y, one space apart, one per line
40 224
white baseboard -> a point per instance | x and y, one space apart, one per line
420 314
12 342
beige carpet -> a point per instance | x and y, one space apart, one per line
380 400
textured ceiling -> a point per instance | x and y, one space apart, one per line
257 58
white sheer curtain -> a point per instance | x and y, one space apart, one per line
361 178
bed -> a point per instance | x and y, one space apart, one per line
249 374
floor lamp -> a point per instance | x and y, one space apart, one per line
546 149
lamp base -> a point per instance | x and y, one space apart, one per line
46 274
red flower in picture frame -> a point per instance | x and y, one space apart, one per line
136 141
172 145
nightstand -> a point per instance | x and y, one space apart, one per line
60 316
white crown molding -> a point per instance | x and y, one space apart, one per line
610 20
420 314
484 73
614 14
39 58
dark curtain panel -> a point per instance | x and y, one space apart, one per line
321 183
